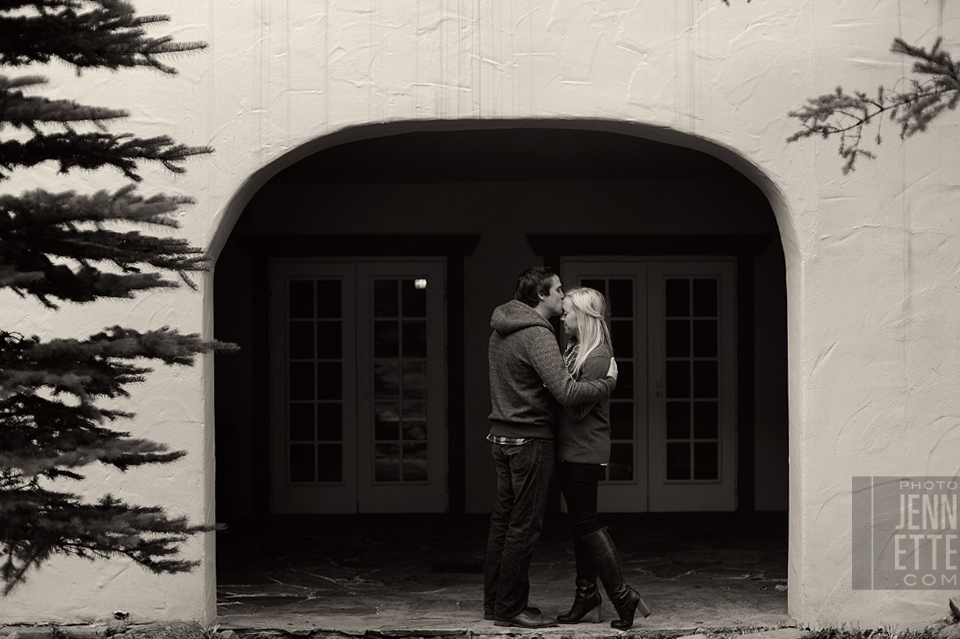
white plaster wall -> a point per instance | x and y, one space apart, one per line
872 268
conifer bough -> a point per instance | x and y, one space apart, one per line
845 115
66 247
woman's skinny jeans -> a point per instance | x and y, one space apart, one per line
579 484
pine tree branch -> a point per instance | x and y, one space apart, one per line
67 246
76 150
44 435
94 367
121 454
41 233
21 111
845 115
41 208
95 150
109 528
88 285
50 462
86 34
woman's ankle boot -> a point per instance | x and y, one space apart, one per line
587 600
585 607
625 599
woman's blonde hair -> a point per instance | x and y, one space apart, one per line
590 309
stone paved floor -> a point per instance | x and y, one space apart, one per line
422 574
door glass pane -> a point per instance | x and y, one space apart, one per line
329 298
620 467
706 420
386 338
678 420
677 297
621 420
301 422
328 340
621 332
330 462
414 421
624 389
400 375
706 460
678 460
329 381
386 298
621 298
414 379
692 376
705 338
301 380
415 338
330 421
414 462
705 297
414 296
386 462
386 380
678 338
678 379
315 382
386 425
705 379
302 462
301 340
300 296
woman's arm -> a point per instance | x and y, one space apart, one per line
546 360
596 367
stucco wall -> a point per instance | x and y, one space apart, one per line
872 269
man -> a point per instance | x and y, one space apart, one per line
526 374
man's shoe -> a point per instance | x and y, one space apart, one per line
526 619
488 616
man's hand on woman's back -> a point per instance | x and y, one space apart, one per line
612 371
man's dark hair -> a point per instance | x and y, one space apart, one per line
531 283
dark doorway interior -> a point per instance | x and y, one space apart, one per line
483 196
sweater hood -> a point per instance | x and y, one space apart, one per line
515 316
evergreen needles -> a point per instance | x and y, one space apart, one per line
66 246
846 114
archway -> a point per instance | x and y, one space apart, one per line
482 204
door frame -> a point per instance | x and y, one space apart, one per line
721 493
617 492
287 497
745 248
650 490
455 247
358 491
379 497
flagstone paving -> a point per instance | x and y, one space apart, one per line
421 575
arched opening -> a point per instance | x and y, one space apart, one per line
359 282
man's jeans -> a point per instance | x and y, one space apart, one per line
523 477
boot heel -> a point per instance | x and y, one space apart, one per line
579 612
626 609
643 608
594 615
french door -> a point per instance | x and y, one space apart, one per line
358 395
673 414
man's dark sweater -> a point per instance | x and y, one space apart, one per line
526 369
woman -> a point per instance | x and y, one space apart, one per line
583 450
